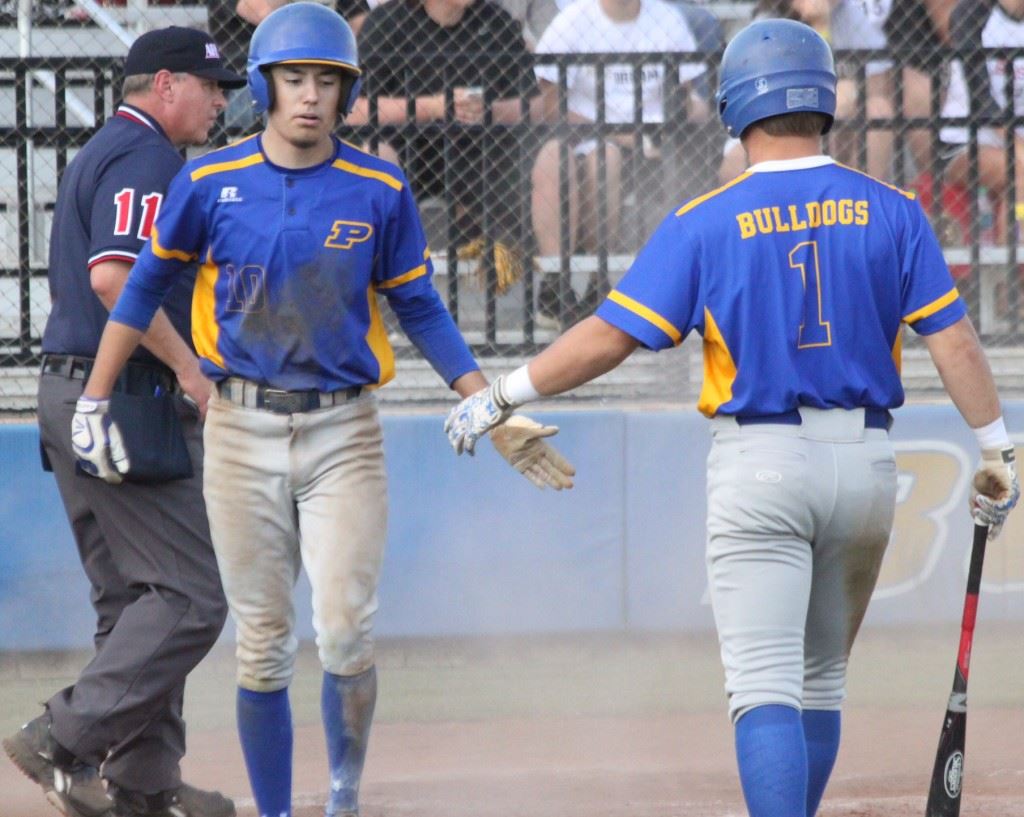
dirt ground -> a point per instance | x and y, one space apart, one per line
591 726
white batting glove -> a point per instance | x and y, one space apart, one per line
97 441
520 441
996 488
476 415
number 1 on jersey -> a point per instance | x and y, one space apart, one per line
814 329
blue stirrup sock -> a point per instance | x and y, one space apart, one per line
772 761
265 730
821 734
346 704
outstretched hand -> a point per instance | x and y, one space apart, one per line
476 415
520 441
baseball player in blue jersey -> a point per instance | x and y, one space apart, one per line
799 275
296 234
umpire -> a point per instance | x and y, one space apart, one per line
145 547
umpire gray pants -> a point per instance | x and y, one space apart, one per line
158 600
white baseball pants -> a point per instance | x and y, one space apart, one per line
290 490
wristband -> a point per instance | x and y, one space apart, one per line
518 387
993 435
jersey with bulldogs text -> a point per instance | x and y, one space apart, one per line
838 259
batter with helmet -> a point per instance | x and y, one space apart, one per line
297 234
799 275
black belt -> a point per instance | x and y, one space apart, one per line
279 401
135 377
873 418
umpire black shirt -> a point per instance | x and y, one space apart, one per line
107 201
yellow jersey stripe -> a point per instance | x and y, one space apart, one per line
368 173
416 272
933 307
719 369
205 330
700 199
223 167
910 194
897 350
647 314
377 340
166 254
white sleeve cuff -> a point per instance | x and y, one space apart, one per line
519 388
993 435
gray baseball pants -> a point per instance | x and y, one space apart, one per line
798 521
158 600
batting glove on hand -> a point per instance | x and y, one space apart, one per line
476 415
97 442
520 441
996 488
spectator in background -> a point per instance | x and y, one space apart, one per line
978 87
414 51
846 25
918 32
589 26
232 22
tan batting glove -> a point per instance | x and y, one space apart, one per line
520 441
995 488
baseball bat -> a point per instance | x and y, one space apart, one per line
948 773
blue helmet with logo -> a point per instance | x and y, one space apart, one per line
301 33
774 67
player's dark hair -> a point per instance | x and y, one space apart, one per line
801 123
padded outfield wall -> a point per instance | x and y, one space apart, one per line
475 549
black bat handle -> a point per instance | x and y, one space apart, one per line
947 774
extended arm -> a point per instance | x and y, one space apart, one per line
589 349
162 339
965 373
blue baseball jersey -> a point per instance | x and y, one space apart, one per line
109 198
290 266
799 276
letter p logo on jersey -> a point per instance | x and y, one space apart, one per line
346 233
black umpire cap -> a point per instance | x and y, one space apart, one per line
176 48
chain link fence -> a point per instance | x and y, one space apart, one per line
544 140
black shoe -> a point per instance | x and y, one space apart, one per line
185 801
554 309
70 786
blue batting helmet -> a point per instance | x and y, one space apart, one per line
301 33
773 67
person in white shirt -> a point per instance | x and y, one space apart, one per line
978 86
596 26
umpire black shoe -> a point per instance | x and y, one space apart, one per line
72 787
185 801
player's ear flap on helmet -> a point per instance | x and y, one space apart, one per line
775 67
350 88
300 32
